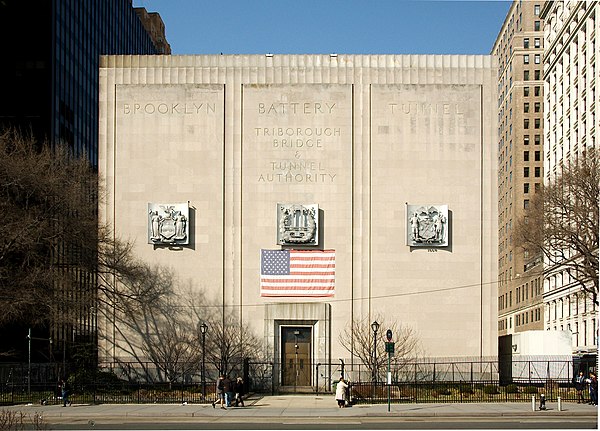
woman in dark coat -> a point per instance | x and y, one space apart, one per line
238 388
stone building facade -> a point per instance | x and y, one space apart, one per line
364 143
520 48
571 126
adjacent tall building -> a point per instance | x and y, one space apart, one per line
519 47
571 126
50 66
49 77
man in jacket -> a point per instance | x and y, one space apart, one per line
228 387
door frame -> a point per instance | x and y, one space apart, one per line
314 314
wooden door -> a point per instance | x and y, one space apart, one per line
296 357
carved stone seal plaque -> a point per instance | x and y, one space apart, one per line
297 224
168 224
427 225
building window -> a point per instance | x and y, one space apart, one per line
537 172
537 156
526 156
537 107
526 42
536 74
536 10
537 139
536 42
525 187
526 75
526 91
526 107
526 204
536 91
536 58
526 172
536 26
526 140
526 59
536 123
538 187
526 123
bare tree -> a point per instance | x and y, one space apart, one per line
229 340
561 222
358 339
58 263
48 205
151 326
157 325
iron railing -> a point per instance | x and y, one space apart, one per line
459 392
419 381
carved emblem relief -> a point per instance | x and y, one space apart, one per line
297 224
427 225
168 224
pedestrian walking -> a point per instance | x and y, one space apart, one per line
340 393
238 388
64 392
220 392
579 386
228 387
593 382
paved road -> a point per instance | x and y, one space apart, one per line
316 412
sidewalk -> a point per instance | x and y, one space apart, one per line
299 406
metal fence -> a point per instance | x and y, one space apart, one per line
459 392
419 381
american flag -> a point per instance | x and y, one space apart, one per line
297 272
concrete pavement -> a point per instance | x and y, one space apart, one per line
298 406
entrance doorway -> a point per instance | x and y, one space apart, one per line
296 355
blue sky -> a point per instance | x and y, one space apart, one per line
330 26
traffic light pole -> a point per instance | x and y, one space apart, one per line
389 348
389 378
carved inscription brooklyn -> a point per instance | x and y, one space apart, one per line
165 108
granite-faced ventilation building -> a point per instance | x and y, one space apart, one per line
384 167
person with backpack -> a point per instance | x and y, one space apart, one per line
220 392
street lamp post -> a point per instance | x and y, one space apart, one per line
29 338
375 328
203 329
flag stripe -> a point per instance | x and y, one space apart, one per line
297 273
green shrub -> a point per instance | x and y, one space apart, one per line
444 391
511 389
530 390
466 389
490 390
